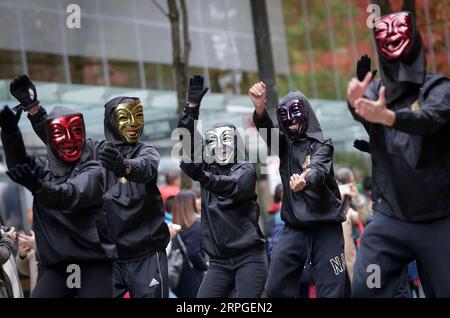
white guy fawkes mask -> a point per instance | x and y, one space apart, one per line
220 144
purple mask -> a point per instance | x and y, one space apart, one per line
293 116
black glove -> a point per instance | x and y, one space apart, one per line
113 160
23 89
193 170
196 90
9 122
23 175
362 145
363 67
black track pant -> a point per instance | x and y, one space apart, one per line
95 281
320 245
243 276
144 277
388 245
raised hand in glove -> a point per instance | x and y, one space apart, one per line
196 90
23 89
9 122
193 170
113 160
363 67
27 177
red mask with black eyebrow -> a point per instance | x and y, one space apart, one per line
67 137
393 35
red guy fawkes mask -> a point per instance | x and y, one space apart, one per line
393 35
67 137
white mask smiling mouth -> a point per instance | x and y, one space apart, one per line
220 143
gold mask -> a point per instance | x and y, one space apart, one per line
129 118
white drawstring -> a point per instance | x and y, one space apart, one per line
160 275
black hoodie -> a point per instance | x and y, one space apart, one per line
411 160
134 211
67 213
230 212
319 202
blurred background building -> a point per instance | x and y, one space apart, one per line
124 48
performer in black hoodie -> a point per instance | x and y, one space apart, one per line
67 207
132 202
230 232
407 117
311 207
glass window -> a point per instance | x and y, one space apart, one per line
194 70
10 64
124 74
325 85
86 70
222 81
159 76
283 85
247 80
45 67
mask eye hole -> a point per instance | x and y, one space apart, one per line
138 112
57 131
227 138
121 115
77 129
210 140
380 28
401 26
282 112
296 110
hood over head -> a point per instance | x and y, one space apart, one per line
311 127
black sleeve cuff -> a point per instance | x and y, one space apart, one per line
401 117
38 117
192 111
262 121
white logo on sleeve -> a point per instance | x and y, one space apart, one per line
31 93
154 282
